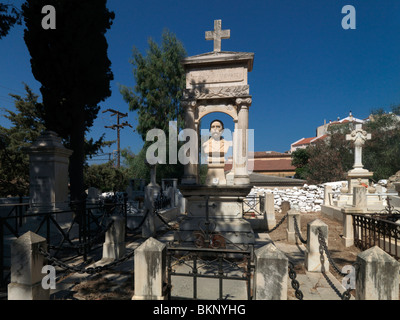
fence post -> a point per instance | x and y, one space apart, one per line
26 268
327 195
114 244
313 256
150 270
291 230
270 274
269 209
377 277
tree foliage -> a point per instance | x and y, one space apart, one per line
382 152
72 65
159 84
9 16
26 126
106 177
160 81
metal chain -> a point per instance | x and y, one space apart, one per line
140 224
295 283
163 221
278 224
296 227
86 244
90 270
324 248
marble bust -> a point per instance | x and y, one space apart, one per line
215 148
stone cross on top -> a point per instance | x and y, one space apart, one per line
359 136
217 35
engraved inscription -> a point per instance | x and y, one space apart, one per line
216 76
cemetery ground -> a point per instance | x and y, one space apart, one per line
118 283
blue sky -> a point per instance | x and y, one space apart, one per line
307 68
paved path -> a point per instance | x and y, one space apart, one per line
314 286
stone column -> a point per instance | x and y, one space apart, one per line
150 270
270 274
269 210
313 256
190 169
26 268
291 231
114 244
377 277
230 177
241 139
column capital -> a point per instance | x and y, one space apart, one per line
243 102
189 104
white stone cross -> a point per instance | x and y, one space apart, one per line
217 35
359 136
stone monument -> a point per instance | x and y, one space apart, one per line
359 136
217 82
48 174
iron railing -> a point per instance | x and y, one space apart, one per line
376 230
58 237
221 264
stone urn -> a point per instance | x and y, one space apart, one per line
371 188
344 188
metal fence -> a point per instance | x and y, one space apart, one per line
79 235
376 230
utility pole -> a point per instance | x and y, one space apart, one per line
118 126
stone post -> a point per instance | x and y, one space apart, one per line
270 274
114 244
26 268
327 195
377 277
291 231
150 270
313 255
269 210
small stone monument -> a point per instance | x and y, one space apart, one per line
48 173
359 136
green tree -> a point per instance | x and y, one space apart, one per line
72 66
381 154
159 84
9 16
300 161
106 177
26 126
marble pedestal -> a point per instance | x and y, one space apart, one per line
224 215
355 174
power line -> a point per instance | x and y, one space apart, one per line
118 126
